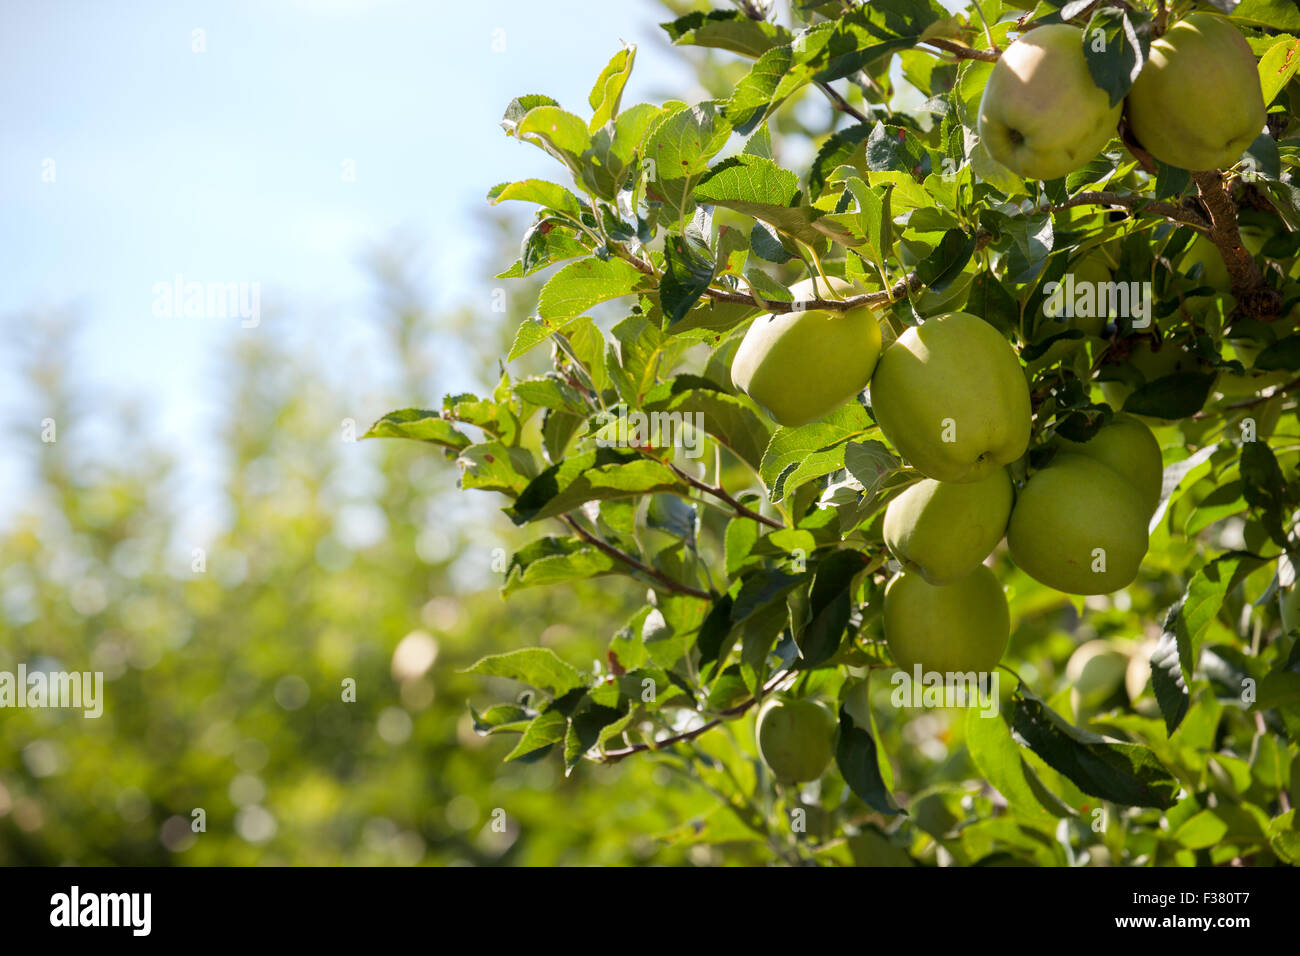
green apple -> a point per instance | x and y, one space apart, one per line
1079 527
943 530
947 629
801 365
794 738
1127 447
951 396
1197 103
1042 114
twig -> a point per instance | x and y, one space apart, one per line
721 494
669 583
964 52
899 289
841 104
1139 204
884 297
613 756
1250 402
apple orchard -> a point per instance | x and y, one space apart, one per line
996 392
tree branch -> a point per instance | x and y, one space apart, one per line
669 583
884 297
720 493
841 104
1253 297
613 756
1138 204
899 289
1273 393
964 52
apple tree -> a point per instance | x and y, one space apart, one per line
1037 285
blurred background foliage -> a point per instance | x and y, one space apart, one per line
337 560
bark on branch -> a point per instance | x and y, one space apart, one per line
1254 298
963 52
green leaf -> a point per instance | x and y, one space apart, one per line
688 270
547 728
538 191
726 30
1167 680
1116 62
758 633
550 391
711 641
1180 395
674 516
1277 66
580 285
561 134
1202 830
1122 773
1261 159
748 181
739 540
585 724
552 560
1282 354
899 149
519 108
829 606
759 188
678 149
759 143
491 466
835 152
500 719
768 244
1204 598
1278 14
538 667
597 475
796 455
1264 488
855 755
874 219
608 91
545 243
421 425
830 51
997 757
938 270
726 417
990 299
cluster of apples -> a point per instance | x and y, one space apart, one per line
1196 104
952 398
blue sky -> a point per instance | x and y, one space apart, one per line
227 165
